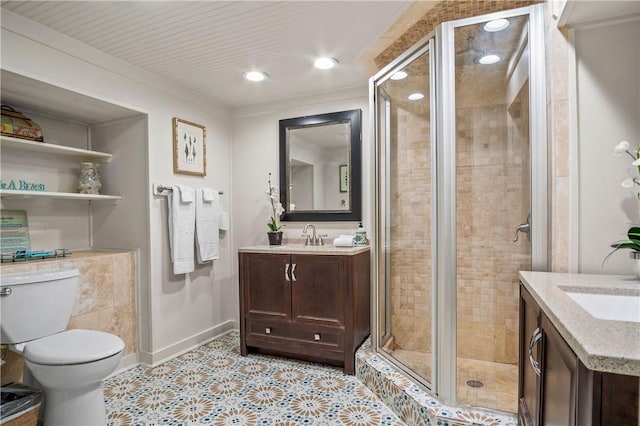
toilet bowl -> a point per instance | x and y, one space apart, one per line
68 366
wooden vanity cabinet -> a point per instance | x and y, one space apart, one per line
564 391
308 306
528 393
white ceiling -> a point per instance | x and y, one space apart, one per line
207 45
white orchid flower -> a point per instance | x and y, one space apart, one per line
636 163
621 148
628 183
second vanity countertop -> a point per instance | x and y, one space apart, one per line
302 249
602 345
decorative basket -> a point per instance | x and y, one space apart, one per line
18 125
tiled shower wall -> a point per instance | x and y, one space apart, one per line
492 198
105 300
492 179
411 230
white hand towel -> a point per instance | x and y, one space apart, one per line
223 221
344 241
208 195
182 221
186 194
207 211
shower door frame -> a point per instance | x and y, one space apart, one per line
446 140
425 46
440 44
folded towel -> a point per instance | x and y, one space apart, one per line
223 221
208 195
186 196
207 211
344 241
182 220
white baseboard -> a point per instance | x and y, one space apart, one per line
149 359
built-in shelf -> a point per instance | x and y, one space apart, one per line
574 13
11 193
50 148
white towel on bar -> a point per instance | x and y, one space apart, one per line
182 221
223 221
207 212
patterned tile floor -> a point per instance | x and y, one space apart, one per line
214 385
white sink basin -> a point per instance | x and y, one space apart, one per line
608 306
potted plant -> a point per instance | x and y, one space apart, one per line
633 183
274 234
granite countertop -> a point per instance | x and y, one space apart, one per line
302 249
602 345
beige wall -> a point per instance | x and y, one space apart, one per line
105 300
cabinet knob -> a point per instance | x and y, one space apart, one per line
267 330
316 337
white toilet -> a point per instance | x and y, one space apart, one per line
68 366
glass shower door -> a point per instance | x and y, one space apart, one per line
405 166
493 201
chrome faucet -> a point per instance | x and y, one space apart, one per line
312 240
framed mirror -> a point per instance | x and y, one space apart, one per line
321 167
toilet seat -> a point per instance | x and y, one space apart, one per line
73 347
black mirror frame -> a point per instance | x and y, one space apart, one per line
355 212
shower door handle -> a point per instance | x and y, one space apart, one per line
523 227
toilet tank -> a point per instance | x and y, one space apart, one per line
36 304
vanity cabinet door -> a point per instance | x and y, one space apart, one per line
318 290
529 390
265 283
559 378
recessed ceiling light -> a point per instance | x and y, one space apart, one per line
325 63
496 25
489 59
255 75
415 96
399 75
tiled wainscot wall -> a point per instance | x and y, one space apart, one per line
105 301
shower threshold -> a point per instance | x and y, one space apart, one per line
412 403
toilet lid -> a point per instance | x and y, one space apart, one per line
73 347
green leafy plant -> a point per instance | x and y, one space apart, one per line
273 222
632 243
633 234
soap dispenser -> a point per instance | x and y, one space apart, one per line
361 236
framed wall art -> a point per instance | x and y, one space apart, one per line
189 148
344 178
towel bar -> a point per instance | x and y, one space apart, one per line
163 190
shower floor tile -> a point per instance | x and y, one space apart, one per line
499 389
500 384
214 385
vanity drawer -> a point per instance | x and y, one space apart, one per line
287 334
